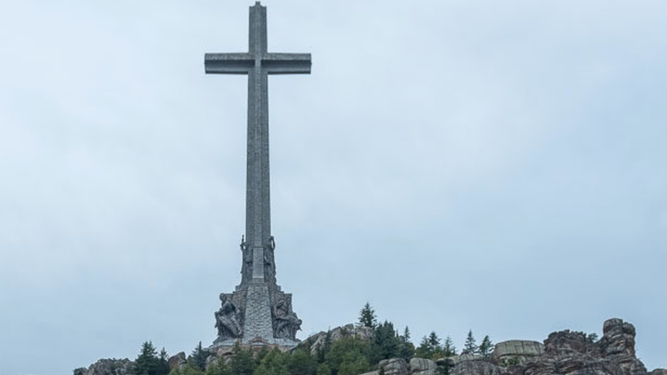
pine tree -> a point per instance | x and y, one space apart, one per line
148 362
367 316
199 356
486 347
434 343
470 345
448 348
406 334
429 347
242 362
386 343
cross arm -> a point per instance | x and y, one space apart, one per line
228 63
287 63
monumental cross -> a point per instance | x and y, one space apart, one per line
258 311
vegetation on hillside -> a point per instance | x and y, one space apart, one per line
348 355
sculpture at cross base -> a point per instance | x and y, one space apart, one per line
263 311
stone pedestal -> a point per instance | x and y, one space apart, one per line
265 314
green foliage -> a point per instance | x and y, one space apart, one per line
325 348
429 347
219 368
386 343
347 355
79 371
592 337
448 348
199 356
242 362
406 334
486 347
367 316
470 346
323 369
302 363
149 363
354 366
273 363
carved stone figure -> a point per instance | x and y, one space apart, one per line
269 266
227 320
246 268
285 321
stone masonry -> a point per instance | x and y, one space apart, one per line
257 312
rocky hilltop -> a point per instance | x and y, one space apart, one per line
562 353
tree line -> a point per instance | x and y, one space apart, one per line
348 355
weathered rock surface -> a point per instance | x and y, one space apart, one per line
476 367
422 366
394 366
108 367
574 353
563 353
658 371
516 351
178 361
318 340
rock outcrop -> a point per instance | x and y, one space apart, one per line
563 353
422 366
394 366
108 367
178 361
319 340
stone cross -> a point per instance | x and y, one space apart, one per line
257 63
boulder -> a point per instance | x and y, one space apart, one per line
516 351
394 366
422 366
476 367
658 371
178 361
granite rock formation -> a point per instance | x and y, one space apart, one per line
317 341
108 367
563 353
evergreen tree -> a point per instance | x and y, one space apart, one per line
448 348
302 363
386 343
346 355
367 316
273 363
163 362
323 369
219 368
406 348
148 362
429 347
486 347
434 343
242 362
470 346
199 356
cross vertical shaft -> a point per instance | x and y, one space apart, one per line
258 198
257 63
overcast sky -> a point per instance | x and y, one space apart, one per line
489 165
